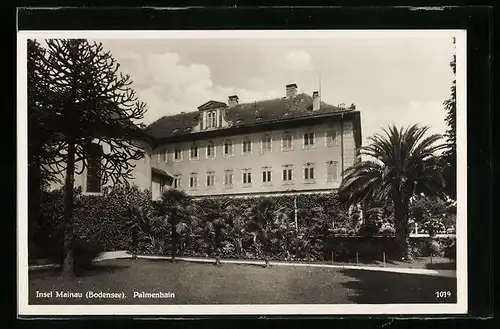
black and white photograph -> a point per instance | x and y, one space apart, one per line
242 172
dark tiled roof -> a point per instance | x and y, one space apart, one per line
259 112
160 172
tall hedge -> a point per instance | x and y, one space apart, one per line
323 227
98 219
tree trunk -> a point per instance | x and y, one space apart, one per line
239 247
135 241
175 239
34 190
68 269
401 226
34 222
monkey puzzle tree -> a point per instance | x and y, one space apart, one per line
42 165
92 106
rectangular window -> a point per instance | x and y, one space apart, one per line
332 138
287 143
266 143
228 147
332 169
287 174
247 178
193 152
94 168
247 146
266 176
228 178
309 139
210 150
210 179
164 156
177 181
309 172
162 186
178 154
193 180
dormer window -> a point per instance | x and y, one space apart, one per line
211 119
211 116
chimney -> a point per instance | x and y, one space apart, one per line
316 101
291 90
232 101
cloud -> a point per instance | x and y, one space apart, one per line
432 114
169 86
298 61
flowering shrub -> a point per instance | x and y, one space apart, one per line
434 226
387 228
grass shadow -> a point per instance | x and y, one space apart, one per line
367 262
442 266
98 269
378 287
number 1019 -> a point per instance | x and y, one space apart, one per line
443 294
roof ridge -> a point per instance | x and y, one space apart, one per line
274 99
256 112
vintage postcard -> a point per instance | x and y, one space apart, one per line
242 172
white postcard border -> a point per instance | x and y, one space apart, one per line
266 309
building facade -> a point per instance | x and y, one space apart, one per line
294 144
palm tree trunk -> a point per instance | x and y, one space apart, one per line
239 246
174 243
402 233
68 270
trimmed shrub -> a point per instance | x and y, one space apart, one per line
96 219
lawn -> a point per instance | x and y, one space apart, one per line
195 283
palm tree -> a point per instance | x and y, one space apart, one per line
399 165
176 208
265 222
217 216
138 220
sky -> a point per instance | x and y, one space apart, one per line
397 80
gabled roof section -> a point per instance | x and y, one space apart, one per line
211 105
161 172
245 114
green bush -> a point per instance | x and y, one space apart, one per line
432 248
450 251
